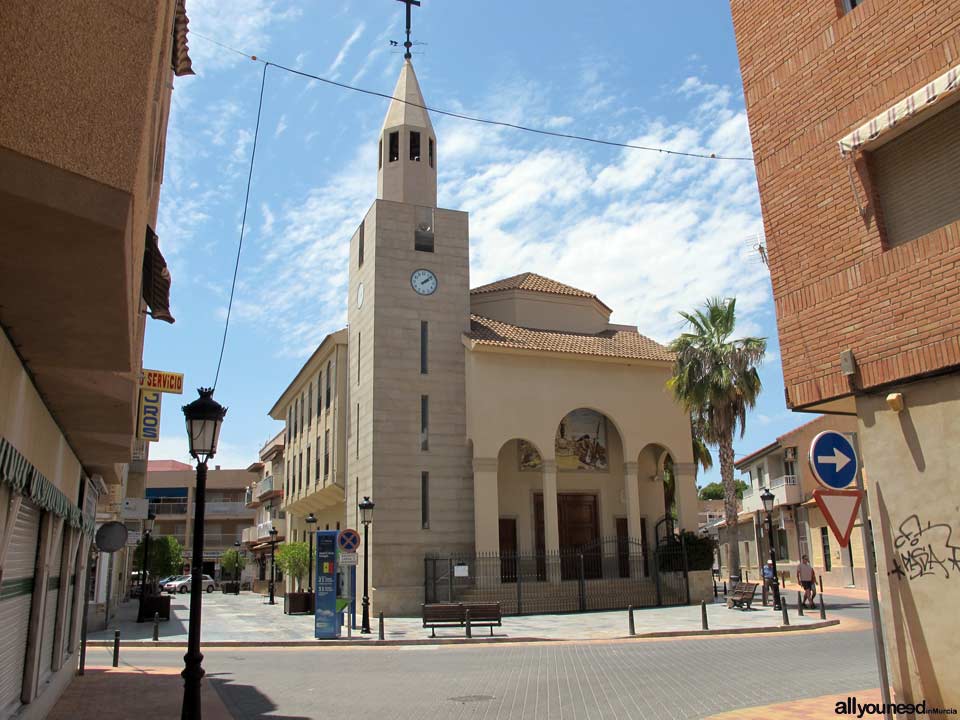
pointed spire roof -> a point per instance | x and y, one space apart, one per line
411 111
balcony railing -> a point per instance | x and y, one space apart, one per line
783 480
226 507
219 540
748 491
168 508
265 486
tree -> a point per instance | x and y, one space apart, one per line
715 379
701 453
166 556
233 563
294 559
714 490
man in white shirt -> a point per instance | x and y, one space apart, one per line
807 578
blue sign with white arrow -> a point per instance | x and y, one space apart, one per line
833 460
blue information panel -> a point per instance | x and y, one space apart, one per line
326 622
833 460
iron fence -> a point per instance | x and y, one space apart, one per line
607 574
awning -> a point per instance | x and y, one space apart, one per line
921 100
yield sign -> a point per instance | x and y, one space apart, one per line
839 508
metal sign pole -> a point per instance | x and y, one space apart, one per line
868 555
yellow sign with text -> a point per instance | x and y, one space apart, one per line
163 381
148 417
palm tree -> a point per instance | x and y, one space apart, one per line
715 379
701 453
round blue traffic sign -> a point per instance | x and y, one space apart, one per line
833 460
348 540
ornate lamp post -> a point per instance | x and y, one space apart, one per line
204 417
273 561
311 521
147 530
768 499
366 518
236 569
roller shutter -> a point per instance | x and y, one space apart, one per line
16 594
50 611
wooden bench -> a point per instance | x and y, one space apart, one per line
742 595
441 615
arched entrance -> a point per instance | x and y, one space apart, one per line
520 468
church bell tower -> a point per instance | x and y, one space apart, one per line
409 305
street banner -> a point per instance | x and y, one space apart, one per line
163 381
326 623
148 415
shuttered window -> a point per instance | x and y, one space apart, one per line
917 178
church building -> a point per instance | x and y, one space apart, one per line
512 420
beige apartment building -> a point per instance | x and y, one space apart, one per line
82 138
798 525
171 492
510 419
265 497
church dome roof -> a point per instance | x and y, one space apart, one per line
534 283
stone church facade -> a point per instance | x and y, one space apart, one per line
511 418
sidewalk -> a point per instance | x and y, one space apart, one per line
245 619
815 708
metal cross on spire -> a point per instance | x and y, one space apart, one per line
408 44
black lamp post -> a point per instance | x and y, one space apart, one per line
768 499
311 523
273 561
366 517
204 417
236 568
147 530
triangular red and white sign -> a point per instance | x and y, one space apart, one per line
839 508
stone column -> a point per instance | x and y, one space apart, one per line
551 522
686 496
486 506
631 480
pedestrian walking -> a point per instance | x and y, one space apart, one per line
768 579
808 580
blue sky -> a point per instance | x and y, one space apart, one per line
650 234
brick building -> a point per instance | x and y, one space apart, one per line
856 137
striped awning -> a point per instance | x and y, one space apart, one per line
924 98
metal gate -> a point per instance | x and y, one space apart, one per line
16 596
52 597
607 574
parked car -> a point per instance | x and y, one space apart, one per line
168 583
182 584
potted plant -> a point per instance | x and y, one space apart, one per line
232 563
166 558
294 560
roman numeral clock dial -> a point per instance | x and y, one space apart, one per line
423 282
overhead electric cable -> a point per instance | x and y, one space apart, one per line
243 223
472 118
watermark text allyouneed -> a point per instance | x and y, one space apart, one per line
850 706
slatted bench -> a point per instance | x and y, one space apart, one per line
442 615
742 595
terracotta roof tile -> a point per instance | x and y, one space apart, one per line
610 343
533 283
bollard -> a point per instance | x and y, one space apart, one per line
703 615
783 611
381 625
724 588
820 580
156 627
116 648
633 627
823 610
799 604
466 616
349 628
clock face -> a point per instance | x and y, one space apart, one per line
360 295
424 282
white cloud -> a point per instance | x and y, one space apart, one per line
344 49
281 126
243 24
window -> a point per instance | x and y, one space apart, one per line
288 478
431 152
308 468
425 500
825 542
301 412
288 425
317 461
358 430
789 467
319 394
379 166
360 247
328 384
423 229
358 358
423 347
300 473
415 146
309 407
394 146
326 454
424 422
916 177
849 5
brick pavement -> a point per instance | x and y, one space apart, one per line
814 708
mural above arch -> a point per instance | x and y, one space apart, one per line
581 442
529 456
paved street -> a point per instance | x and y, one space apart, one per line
662 678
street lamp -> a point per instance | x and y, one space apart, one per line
273 560
311 522
236 568
203 417
366 517
147 530
768 499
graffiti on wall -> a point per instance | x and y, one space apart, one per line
925 550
